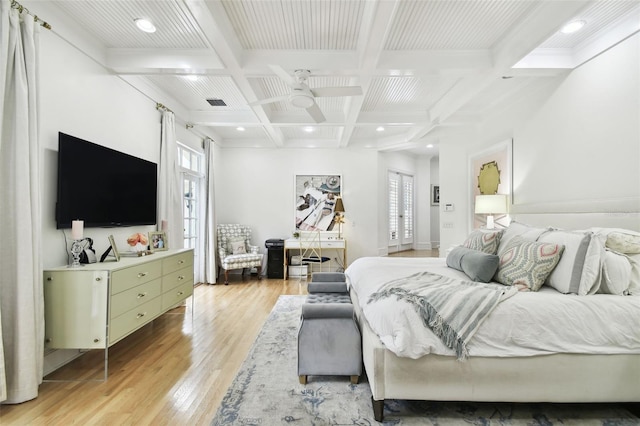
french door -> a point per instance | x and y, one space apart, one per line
401 211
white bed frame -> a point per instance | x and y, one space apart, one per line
549 378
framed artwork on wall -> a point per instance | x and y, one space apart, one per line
435 195
490 172
315 201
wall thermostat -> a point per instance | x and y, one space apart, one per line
448 207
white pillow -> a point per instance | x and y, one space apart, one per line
634 284
526 232
238 247
579 269
616 273
621 240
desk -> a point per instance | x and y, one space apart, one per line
322 244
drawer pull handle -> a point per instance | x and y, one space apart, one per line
140 295
96 340
180 262
98 279
180 293
180 278
142 274
140 315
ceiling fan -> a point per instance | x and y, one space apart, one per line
302 96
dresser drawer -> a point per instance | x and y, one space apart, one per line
176 295
178 261
177 278
124 279
134 319
134 297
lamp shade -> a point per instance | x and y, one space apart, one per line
491 204
339 207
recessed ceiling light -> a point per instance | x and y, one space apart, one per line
308 129
572 27
191 77
145 25
430 145
240 129
379 129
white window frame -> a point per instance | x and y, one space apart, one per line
196 175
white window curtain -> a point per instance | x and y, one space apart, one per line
21 294
209 254
169 193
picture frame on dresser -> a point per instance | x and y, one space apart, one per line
112 248
157 241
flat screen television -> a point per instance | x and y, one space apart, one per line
102 186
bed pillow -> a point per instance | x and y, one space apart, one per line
634 283
616 273
527 232
527 264
579 270
478 266
484 241
621 240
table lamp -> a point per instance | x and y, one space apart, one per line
339 218
490 205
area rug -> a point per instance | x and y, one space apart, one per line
266 392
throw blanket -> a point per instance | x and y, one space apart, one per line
453 309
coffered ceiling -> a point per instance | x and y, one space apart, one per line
423 65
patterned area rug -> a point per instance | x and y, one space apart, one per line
267 392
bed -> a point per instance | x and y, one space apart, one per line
573 341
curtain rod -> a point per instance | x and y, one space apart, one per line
21 8
162 107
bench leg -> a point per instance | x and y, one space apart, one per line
226 277
354 380
303 380
378 409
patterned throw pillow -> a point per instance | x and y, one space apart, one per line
484 241
527 264
236 245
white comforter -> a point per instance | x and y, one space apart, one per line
526 324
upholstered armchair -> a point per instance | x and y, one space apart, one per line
235 250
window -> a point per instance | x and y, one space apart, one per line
190 164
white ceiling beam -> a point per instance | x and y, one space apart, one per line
319 62
128 61
435 61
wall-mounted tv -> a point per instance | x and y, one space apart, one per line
102 186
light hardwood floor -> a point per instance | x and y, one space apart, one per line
173 371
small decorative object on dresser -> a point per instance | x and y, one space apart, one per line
157 241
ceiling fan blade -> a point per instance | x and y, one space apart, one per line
316 114
280 72
337 91
270 100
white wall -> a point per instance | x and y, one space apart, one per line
256 187
80 98
576 148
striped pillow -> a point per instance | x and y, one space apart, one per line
527 264
484 241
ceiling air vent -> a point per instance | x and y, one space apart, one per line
216 102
